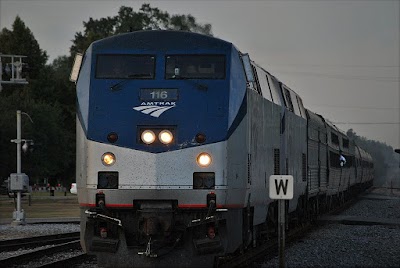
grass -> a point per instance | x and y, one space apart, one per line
42 205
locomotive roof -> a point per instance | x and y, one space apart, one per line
161 40
333 126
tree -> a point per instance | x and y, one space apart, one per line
147 18
20 41
47 99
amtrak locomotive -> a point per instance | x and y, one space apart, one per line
177 136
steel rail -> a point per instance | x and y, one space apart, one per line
69 262
14 244
35 254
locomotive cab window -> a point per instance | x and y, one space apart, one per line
287 98
125 66
334 138
195 67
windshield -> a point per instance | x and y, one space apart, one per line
125 66
195 67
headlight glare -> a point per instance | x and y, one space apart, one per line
148 136
204 160
165 136
108 159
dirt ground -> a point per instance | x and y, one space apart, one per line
41 206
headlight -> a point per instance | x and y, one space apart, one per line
204 159
165 136
148 136
108 159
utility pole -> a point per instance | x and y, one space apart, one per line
12 66
398 151
1 74
19 182
19 215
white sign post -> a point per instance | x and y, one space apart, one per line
281 188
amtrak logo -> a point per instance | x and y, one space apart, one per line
154 109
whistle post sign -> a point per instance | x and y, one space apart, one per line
281 187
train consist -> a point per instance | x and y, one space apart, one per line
177 136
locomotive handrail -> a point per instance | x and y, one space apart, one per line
95 215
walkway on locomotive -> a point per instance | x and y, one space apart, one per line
186 82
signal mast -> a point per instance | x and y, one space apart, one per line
12 69
18 182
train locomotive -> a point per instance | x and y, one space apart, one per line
177 136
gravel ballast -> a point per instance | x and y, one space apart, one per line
8 231
339 245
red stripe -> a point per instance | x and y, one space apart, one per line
192 206
86 205
205 206
108 205
180 206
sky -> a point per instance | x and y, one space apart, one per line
341 57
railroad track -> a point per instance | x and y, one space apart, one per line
52 252
69 262
64 243
29 242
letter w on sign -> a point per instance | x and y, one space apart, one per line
281 187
